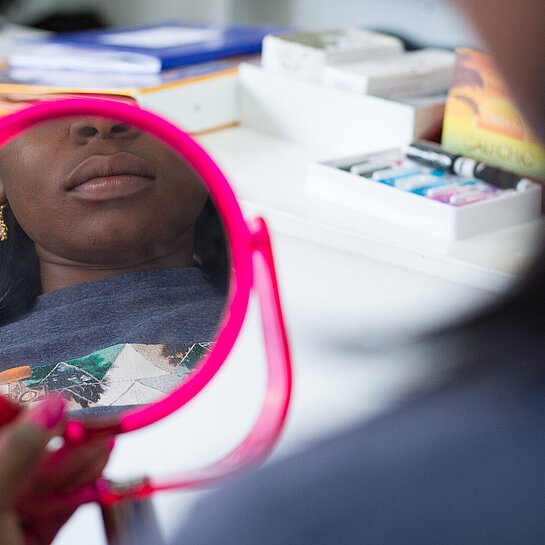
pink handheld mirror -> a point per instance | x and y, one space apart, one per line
91 164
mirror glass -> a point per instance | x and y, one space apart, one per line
113 269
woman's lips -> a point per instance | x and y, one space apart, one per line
103 177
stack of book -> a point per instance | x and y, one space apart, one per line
185 72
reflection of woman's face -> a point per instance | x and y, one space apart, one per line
99 192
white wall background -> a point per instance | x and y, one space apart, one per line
128 12
436 22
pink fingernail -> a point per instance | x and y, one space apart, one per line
48 413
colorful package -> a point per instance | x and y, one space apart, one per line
482 122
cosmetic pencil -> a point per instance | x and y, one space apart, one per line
433 155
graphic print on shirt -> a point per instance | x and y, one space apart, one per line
120 375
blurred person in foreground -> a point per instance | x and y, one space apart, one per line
463 463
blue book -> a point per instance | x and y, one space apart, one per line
146 49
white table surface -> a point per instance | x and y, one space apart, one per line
347 282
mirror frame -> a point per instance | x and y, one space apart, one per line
239 237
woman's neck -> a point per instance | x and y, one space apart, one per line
55 276
59 272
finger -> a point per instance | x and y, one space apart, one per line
89 472
11 532
40 530
23 443
42 494
70 467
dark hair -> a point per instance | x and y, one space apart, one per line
210 250
20 271
7 4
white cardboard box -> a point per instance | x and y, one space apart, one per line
330 120
328 181
197 106
413 73
304 55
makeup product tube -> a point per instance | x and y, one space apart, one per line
415 182
468 197
431 154
492 175
367 168
390 175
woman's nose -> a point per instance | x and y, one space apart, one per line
85 130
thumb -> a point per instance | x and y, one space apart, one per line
23 443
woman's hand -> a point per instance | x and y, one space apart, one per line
29 473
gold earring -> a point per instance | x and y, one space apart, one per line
3 226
